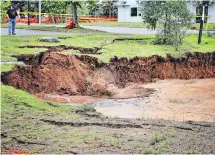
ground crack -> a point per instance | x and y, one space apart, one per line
25 142
60 48
110 125
77 124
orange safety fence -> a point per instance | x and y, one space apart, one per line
60 19
14 152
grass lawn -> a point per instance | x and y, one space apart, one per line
125 48
21 113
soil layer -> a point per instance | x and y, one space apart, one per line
53 73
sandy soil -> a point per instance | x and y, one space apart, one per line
179 100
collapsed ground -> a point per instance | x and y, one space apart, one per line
53 73
31 125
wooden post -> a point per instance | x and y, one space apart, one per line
28 13
201 25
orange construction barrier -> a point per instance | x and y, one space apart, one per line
15 152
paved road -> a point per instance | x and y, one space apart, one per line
121 30
125 30
22 32
117 30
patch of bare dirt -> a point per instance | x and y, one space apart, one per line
178 100
181 100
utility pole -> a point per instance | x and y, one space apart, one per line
201 25
39 11
28 13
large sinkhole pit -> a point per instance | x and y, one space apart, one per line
121 83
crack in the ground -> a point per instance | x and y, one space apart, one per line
111 125
27 142
71 152
94 50
79 124
198 124
60 48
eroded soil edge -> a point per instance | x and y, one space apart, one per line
53 73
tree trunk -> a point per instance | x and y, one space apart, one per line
165 29
110 12
74 14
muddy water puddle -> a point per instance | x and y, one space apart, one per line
179 100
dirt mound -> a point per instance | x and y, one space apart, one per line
54 73
50 73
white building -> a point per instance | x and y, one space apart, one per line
129 11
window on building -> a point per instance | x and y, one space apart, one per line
133 12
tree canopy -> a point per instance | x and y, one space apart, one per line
172 16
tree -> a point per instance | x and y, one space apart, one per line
92 5
150 12
55 7
173 16
75 5
107 8
4 7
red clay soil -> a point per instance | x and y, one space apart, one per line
143 69
53 73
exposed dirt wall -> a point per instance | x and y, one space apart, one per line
143 69
54 73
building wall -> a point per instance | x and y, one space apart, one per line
192 9
124 12
211 13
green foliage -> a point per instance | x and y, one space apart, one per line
55 7
4 7
151 12
5 4
173 16
107 8
157 138
92 6
148 151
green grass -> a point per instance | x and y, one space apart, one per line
7 67
21 113
119 48
157 138
148 151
